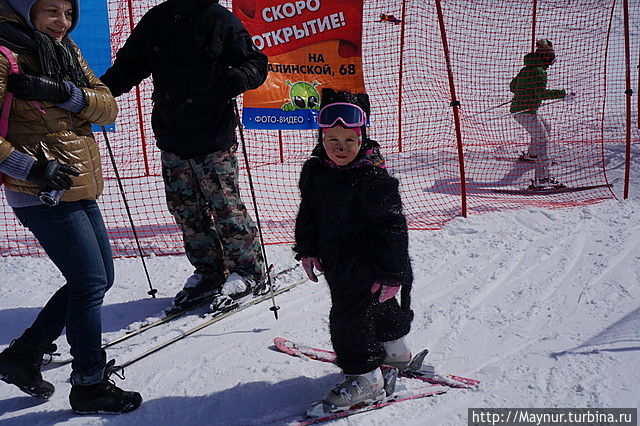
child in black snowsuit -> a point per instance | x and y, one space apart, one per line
350 225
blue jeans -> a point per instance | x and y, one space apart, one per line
75 238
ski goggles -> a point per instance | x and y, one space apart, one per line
349 114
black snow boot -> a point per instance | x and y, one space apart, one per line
104 397
197 289
20 365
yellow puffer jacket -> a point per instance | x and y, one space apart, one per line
55 133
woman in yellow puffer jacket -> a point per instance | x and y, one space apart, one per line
50 149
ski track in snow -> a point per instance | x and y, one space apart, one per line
540 305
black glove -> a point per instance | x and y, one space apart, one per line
232 84
37 88
51 174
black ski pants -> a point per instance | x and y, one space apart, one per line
359 324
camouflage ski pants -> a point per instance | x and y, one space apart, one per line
219 235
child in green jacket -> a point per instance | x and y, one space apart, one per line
529 89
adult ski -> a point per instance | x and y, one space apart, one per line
171 315
550 191
416 370
209 319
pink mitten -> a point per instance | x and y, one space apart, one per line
308 263
387 292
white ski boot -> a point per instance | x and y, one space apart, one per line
237 286
545 184
354 389
398 354
525 157
357 390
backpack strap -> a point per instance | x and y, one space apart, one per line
13 64
8 99
6 107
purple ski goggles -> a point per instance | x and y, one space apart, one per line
349 114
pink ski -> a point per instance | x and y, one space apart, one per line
357 409
416 372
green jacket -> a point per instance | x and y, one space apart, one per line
529 87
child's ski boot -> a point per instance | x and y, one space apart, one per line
355 391
398 354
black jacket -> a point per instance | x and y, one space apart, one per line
200 56
351 218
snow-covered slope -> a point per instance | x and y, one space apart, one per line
540 305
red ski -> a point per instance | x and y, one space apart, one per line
416 370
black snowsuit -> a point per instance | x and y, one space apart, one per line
351 218
200 56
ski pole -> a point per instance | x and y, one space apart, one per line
489 109
212 320
163 320
521 112
152 291
275 307
543 104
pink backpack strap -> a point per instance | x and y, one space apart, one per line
6 107
13 64
8 99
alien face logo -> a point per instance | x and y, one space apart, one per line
303 95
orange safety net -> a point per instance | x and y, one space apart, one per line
416 55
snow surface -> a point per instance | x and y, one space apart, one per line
540 305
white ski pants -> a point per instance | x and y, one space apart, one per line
539 130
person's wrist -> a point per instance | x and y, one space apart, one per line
62 93
17 165
76 101
36 172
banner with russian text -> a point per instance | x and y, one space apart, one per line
311 44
